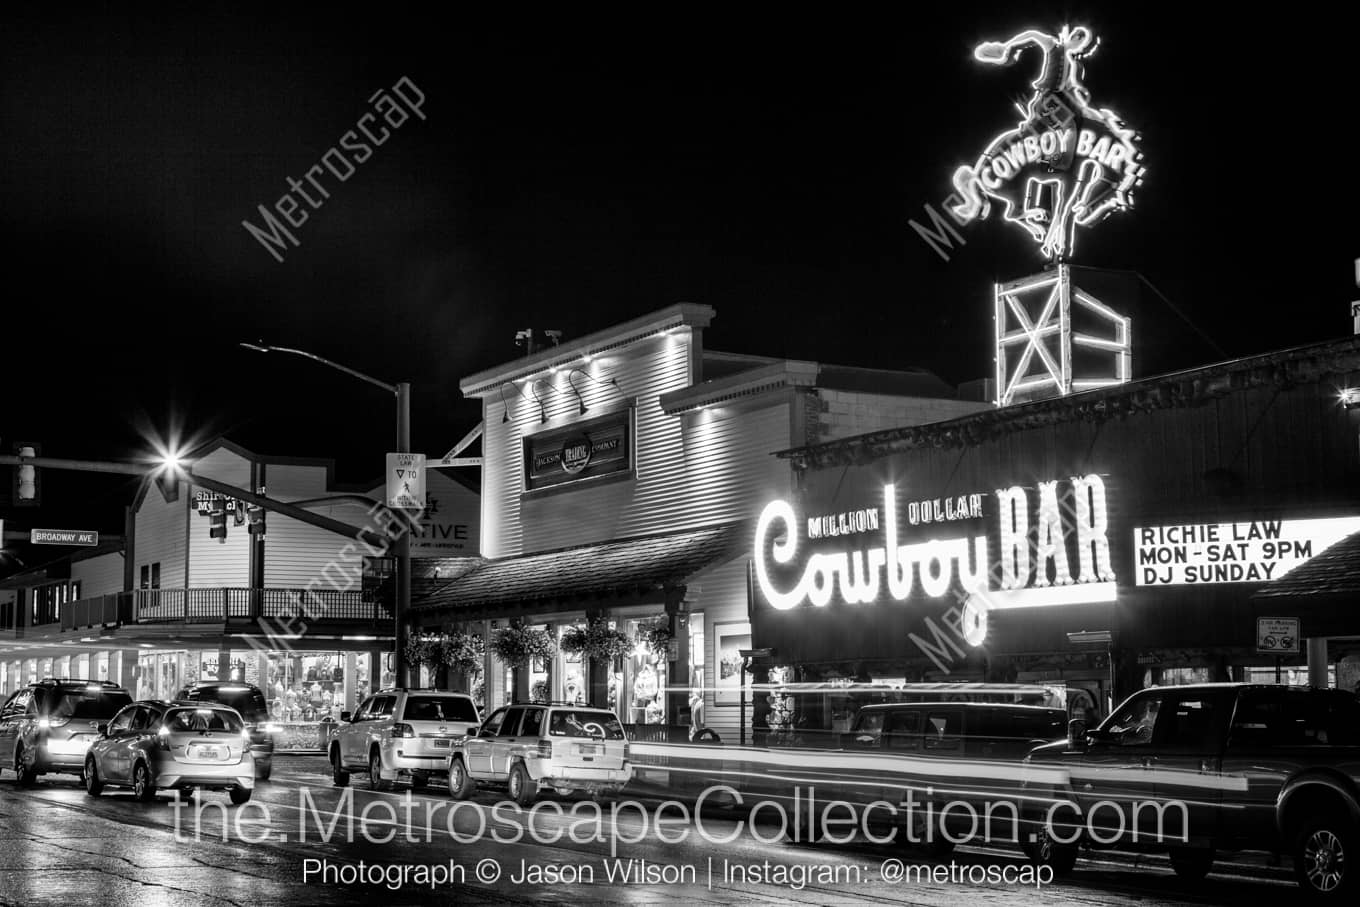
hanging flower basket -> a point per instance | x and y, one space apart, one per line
465 652
423 650
597 641
656 638
516 645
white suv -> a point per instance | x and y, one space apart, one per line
401 734
534 746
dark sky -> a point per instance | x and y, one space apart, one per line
572 173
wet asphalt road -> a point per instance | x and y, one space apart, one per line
60 846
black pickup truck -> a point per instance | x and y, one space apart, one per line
1197 770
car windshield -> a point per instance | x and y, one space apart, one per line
585 724
81 703
196 720
250 703
440 708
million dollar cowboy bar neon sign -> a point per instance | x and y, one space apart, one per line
1037 537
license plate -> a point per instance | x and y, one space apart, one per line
588 748
209 752
441 744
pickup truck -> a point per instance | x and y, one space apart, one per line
1200 769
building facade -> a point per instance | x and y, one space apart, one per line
1110 539
300 611
620 472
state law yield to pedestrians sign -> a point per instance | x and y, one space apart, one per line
406 481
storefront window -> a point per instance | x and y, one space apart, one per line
643 679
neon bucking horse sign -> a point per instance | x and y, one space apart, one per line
1066 164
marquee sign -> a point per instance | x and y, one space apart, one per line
1050 543
1066 164
1256 551
583 451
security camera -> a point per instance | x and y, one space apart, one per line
554 336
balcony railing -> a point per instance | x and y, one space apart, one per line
223 604
154 606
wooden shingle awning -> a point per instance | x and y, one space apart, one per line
642 569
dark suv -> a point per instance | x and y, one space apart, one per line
250 702
48 726
1201 769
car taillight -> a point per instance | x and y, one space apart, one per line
163 736
403 730
625 751
272 728
545 749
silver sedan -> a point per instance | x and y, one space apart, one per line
155 745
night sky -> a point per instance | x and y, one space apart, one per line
576 172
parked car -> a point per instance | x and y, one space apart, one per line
249 701
1242 767
153 745
400 734
531 747
48 726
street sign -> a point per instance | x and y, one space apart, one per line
1277 635
84 538
406 481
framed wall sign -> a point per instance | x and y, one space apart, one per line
728 641
579 452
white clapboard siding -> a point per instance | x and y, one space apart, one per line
295 482
730 470
160 535
297 554
614 509
99 575
217 562
722 597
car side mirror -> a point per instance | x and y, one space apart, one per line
102 729
1076 730
346 716
473 731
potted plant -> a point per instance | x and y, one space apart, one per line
423 649
464 652
516 645
597 640
656 638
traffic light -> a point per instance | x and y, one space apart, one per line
255 515
217 524
27 480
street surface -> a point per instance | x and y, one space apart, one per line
60 846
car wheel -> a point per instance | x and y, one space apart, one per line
1323 848
1192 863
142 787
521 787
375 778
1045 851
28 774
239 795
93 786
339 776
461 784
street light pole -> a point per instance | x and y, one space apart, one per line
402 390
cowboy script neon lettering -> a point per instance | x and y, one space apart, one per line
861 576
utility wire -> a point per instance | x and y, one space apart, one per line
1162 296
